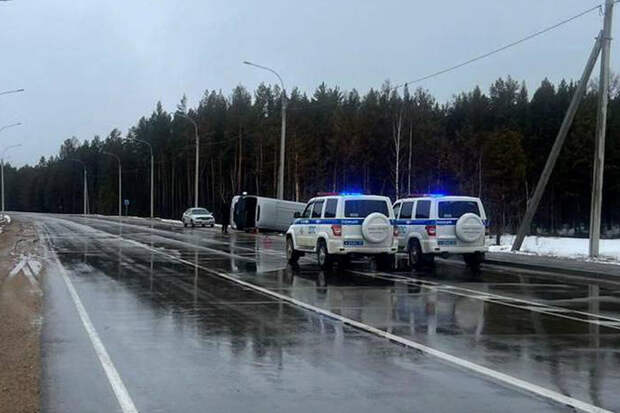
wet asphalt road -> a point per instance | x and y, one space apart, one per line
184 339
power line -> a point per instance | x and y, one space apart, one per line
482 56
502 48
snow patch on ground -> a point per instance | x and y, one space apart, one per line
5 219
564 247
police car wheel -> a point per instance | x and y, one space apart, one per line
185 224
323 257
474 260
415 254
291 255
193 225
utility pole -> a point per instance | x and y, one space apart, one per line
282 147
120 204
601 123
532 204
152 167
85 174
197 167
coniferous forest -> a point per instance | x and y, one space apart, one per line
491 144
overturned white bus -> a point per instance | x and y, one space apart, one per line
251 212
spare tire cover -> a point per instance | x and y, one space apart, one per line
376 227
469 228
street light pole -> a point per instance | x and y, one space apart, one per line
120 171
85 184
152 166
2 171
280 194
197 167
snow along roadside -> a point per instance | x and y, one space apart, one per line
559 247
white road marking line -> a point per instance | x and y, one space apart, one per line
35 266
452 289
485 371
33 281
500 299
120 391
507 379
17 268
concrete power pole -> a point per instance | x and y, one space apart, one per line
532 204
601 123
282 146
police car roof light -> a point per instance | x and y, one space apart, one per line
425 195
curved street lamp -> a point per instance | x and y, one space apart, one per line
120 183
152 166
283 129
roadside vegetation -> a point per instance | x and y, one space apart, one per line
388 141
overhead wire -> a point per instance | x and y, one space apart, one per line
502 48
484 55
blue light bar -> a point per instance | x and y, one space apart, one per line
351 193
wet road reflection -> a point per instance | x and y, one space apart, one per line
219 345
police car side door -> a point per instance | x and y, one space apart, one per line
396 209
315 222
406 222
301 226
422 217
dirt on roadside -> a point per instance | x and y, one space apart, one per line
20 318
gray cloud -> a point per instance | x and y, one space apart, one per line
91 66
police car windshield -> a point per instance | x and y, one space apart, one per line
200 211
456 209
361 208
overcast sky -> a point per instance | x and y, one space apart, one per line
90 66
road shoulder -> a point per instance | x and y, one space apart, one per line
564 265
20 318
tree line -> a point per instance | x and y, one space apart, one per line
390 141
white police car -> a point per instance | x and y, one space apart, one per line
430 225
343 225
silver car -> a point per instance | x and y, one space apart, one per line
198 216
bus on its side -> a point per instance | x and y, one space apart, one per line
251 212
